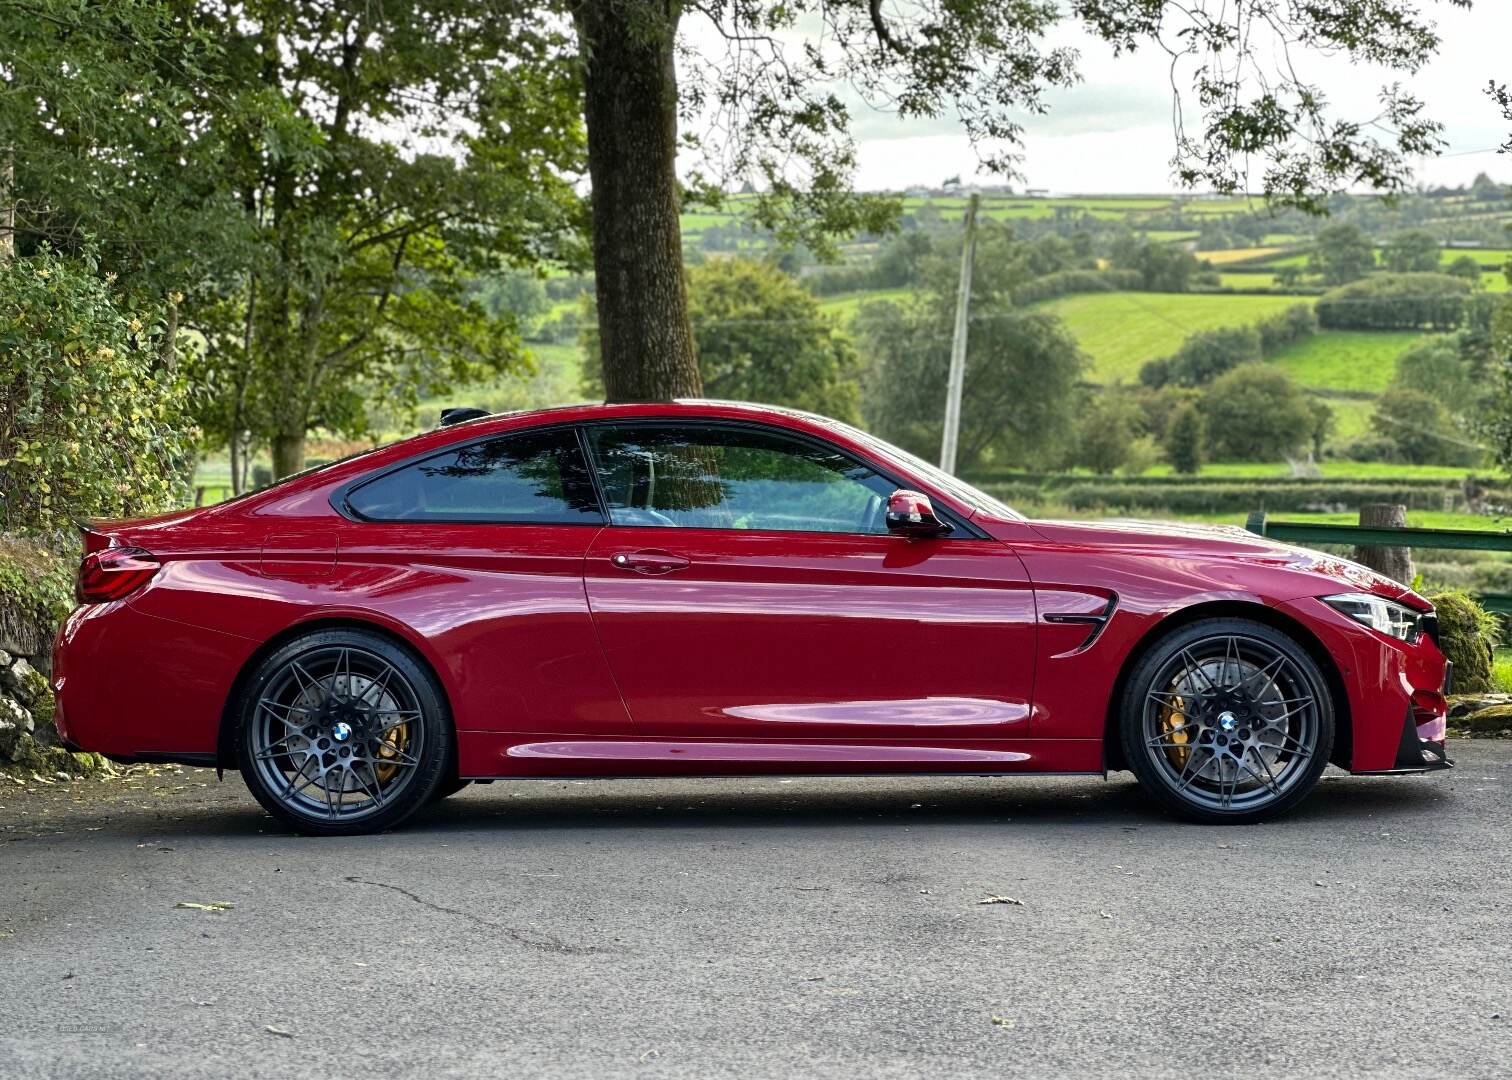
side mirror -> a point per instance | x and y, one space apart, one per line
910 513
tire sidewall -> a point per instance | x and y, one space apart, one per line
437 750
1131 718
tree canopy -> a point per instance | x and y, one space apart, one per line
319 182
761 337
761 90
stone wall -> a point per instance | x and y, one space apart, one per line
33 598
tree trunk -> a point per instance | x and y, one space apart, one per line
7 209
288 454
630 92
234 444
1394 562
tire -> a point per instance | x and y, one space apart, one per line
449 787
1227 721
344 732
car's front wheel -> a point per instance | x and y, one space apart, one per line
1227 720
343 732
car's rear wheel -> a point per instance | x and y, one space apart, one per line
1227 720
344 732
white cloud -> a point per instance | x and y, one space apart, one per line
1113 133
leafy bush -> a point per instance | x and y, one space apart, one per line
90 422
1067 282
1185 439
1256 413
1396 302
1287 328
1467 633
1207 354
1203 357
1422 429
1106 432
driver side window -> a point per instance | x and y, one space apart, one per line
718 477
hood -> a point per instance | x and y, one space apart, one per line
1175 538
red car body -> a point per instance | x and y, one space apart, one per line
577 650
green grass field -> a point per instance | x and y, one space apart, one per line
1331 470
1491 259
845 305
1123 331
1418 519
1360 361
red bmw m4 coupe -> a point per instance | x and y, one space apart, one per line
715 589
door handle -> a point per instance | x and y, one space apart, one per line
648 562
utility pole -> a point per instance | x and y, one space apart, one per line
958 346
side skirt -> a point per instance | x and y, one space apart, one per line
487 754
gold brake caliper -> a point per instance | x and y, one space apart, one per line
395 741
1173 731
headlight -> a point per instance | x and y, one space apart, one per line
1390 618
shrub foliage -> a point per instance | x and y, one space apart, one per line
92 421
1396 302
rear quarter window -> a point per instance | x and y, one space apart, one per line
531 477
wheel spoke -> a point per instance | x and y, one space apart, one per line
1158 740
380 683
1272 721
399 758
1270 676
1269 780
325 786
309 778
376 792
1158 697
1197 668
271 751
1195 773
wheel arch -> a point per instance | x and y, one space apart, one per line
226 755
1255 611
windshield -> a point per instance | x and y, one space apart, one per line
952 485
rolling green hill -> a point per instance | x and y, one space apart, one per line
1122 331
1348 360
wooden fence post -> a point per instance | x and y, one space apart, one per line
1394 562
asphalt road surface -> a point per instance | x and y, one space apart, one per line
762 928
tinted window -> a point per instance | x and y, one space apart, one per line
535 477
734 478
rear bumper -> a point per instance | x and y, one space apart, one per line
138 688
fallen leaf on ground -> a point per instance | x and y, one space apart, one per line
215 906
1000 900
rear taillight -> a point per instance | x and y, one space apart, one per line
113 573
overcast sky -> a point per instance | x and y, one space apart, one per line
1113 132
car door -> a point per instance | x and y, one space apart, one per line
480 550
747 588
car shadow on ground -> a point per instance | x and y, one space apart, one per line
733 803
1050 803
511 806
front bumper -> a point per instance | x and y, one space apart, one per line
1422 747
1394 693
